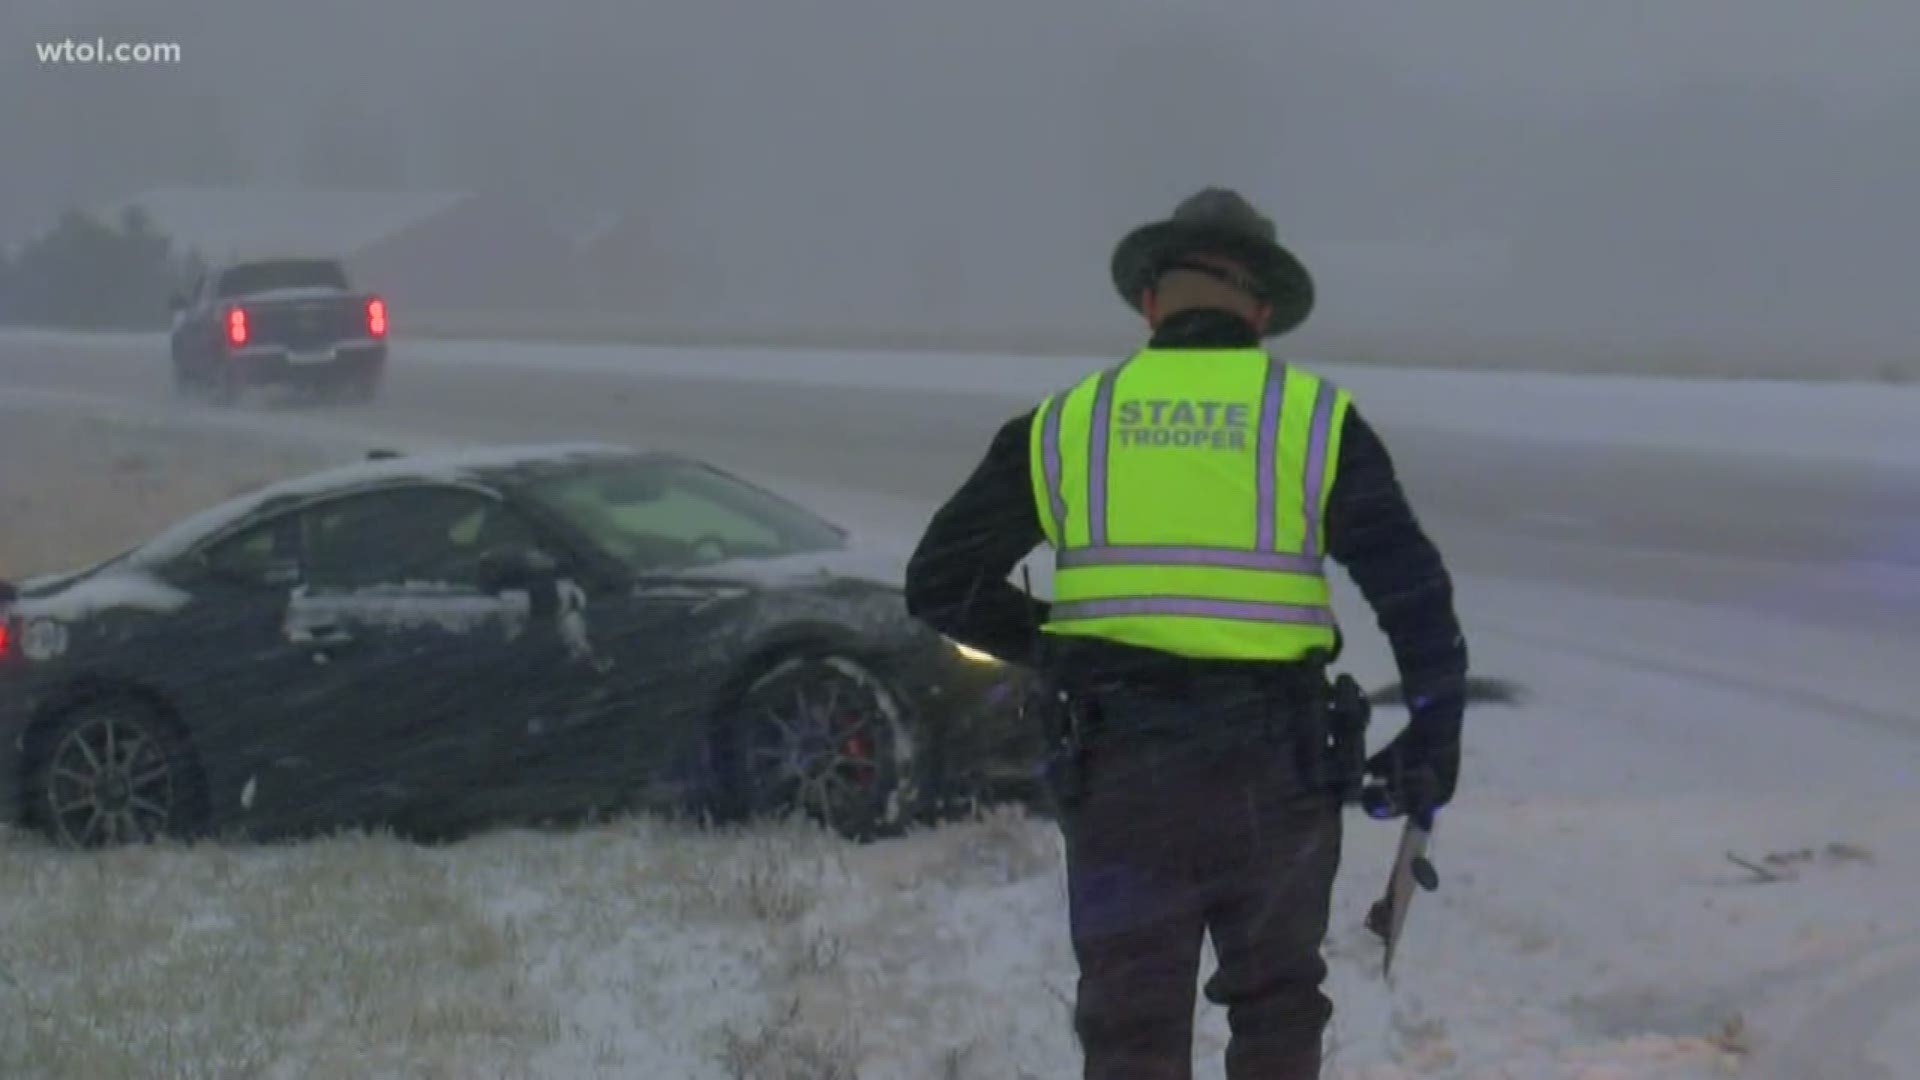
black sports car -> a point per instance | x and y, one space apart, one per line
431 643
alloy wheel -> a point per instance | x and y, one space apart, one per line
110 780
825 742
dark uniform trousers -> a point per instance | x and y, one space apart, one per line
1194 820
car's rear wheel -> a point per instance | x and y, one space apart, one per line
360 388
820 735
350 384
226 385
115 771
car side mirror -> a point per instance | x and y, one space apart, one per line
510 568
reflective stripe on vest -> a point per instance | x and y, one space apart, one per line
1148 571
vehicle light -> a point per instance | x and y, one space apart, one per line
6 639
236 327
376 317
968 652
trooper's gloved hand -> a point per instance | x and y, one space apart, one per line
1418 769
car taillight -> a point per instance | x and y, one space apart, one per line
5 639
236 326
376 317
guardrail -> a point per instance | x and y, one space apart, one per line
1489 353
613 328
1834 420
1779 362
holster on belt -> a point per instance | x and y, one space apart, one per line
1064 721
1331 739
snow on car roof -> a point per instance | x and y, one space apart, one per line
436 466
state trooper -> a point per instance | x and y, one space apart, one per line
1190 496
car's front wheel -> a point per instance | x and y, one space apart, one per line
115 772
824 736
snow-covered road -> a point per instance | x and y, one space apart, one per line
1737 494
1719 623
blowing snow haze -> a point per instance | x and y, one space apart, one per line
359 599
1722 177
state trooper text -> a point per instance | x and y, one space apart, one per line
1208 425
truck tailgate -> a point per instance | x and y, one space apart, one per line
305 324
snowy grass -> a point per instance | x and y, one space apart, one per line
644 947
1590 923
355 956
636 947
73 491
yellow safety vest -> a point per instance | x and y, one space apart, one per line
1184 494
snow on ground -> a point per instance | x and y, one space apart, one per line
1834 422
1590 925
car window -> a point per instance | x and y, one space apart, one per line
414 535
267 554
669 515
285 274
686 515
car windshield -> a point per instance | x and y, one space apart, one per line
669 515
285 274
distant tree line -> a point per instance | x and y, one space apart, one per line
87 273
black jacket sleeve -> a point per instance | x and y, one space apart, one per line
1373 533
957 578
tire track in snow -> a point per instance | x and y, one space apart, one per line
1896 723
1833 1038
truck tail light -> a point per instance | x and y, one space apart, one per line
236 326
376 317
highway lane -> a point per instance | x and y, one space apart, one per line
1807 541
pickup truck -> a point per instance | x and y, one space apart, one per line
278 322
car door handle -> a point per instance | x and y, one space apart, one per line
326 637
695 595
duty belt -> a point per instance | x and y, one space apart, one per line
1325 723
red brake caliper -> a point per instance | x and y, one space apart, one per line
860 749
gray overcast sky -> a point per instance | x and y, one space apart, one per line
1580 46
1732 171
